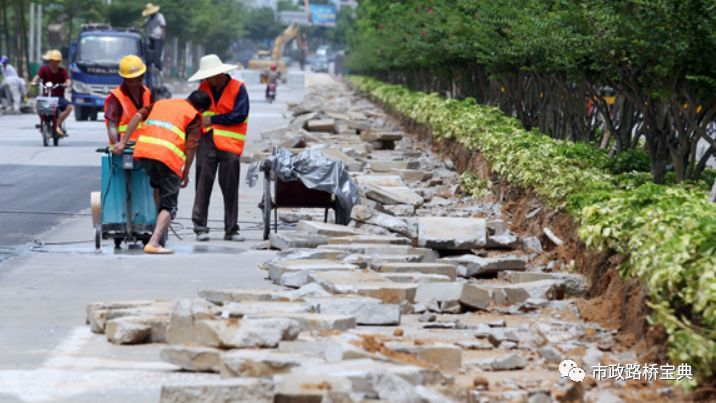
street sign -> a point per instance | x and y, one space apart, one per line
323 15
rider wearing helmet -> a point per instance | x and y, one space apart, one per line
126 100
53 73
272 77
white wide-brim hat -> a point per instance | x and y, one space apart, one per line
211 65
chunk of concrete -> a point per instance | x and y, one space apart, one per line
367 311
505 241
398 210
380 180
241 309
259 363
192 358
367 215
115 305
280 271
351 164
447 357
496 227
429 255
368 261
393 195
532 244
221 296
235 390
445 269
503 363
288 240
245 333
300 388
416 278
312 321
366 283
371 239
476 266
331 230
451 233
427 292
415 175
309 253
185 315
392 166
372 135
321 125
127 330
98 317
575 284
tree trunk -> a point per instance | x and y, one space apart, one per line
712 197
6 30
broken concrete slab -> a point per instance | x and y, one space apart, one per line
245 333
427 292
311 321
505 241
445 269
374 135
483 296
260 363
392 166
415 175
397 209
351 164
575 284
289 240
127 330
235 390
98 317
306 253
192 358
380 180
185 315
370 239
299 268
415 278
451 233
367 261
367 311
346 346
331 230
503 363
367 215
219 297
371 229
367 283
496 227
532 244
447 357
476 266
241 309
429 255
321 125
111 305
393 195
295 388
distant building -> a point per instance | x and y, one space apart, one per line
345 3
263 3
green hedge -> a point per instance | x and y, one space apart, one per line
668 232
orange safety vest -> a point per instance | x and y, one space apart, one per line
128 110
163 136
226 138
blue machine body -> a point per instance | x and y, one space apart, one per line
114 197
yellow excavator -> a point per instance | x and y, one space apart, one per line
264 60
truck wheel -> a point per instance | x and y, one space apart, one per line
80 114
93 115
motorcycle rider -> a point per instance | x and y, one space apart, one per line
56 75
273 76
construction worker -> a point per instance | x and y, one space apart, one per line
13 86
124 101
155 24
57 75
220 146
165 148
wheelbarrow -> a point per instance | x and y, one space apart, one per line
290 194
124 210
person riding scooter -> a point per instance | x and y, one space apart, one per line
272 80
57 75
126 100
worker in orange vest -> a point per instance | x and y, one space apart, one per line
165 147
221 145
125 101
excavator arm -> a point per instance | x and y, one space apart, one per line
292 32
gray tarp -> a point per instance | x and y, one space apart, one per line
316 172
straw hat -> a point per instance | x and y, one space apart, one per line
211 65
149 9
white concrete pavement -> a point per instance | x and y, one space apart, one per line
47 353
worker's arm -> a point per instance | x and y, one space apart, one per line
193 132
112 132
35 79
131 127
240 112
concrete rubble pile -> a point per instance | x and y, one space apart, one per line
427 296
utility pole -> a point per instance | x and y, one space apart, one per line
31 45
6 30
38 37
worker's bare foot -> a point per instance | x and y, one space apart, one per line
157 250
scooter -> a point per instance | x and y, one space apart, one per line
47 110
270 92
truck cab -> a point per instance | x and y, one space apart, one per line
94 64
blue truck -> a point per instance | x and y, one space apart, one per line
94 62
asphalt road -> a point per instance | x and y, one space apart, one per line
47 353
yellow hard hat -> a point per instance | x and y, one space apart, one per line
131 66
54 55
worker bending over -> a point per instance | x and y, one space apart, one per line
221 145
165 148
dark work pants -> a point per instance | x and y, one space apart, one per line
208 159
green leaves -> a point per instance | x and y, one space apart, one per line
667 232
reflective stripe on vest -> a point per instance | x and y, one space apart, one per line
226 133
123 128
160 142
166 125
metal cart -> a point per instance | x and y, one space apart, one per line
293 194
